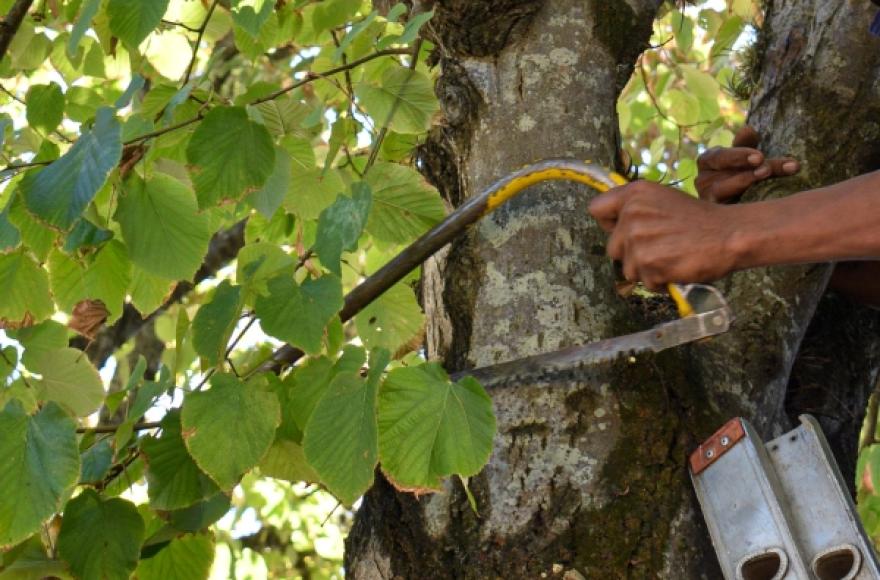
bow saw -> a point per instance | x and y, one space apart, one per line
702 309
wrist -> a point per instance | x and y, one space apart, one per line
748 230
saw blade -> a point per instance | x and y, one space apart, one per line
656 339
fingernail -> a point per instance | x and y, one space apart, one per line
755 159
762 172
790 167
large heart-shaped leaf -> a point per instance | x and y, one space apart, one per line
40 467
67 377
340 226
299 313
229 156
229 427
25 289
341 440
174 480
186 557
430 428
162 227
404 205
403 100
215 321
59 193
100 538
133 20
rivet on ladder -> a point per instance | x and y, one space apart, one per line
725 441
710 453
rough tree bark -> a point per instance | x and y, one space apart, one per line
588 475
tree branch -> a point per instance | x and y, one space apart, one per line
164 130
11 22
195 50
180 24
113 428
313 76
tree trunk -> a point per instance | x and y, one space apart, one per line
588 477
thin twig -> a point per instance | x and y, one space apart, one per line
195 50
11 22
313 76
12 366
12 95
113 428
164 130
180 24
333 511
377 145
17 166
241 334
349 92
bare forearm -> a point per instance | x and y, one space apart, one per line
835 223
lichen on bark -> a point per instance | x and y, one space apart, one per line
589 472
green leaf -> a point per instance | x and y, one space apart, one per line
82 25
85 235
201 515
268 198
45 106
39 469
26 289
298 314
404 205
36 236
283 116
159 215
341 440
250 20
106 279
333 13
148 292
47 335
404 101
286 460
133 20
430 428
10 236
100 538
8 362
96 462
60 192
312 191
229 428
392 320
67 378
310 381
229 156
340 226
187 557
29 561
702 85
260 262
684 31
681 106
727 35
215 321
174 480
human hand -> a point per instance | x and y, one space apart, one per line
724 173
662 235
